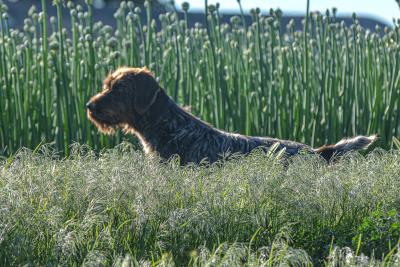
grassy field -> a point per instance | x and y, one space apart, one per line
314 86
69 205
121 207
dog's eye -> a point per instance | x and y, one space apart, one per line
114 87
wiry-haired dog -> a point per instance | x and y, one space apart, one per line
133 100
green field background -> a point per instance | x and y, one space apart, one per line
316 86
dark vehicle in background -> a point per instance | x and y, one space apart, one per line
369 12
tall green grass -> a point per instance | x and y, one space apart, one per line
121 208
315 86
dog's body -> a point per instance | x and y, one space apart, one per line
134 101
177 132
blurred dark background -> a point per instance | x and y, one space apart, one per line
104 10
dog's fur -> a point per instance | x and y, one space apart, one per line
133 100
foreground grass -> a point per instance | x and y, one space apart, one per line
123 208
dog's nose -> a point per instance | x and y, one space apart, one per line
90 106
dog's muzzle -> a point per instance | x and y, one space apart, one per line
90 106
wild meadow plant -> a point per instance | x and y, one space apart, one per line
122 208
314 86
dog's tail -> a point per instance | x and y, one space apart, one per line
346 145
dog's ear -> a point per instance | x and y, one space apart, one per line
146 91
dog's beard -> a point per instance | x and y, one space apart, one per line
102 125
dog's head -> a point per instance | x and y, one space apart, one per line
128 93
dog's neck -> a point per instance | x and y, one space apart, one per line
156 110
162 123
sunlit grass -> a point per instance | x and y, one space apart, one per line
100 209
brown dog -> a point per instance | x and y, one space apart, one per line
133 100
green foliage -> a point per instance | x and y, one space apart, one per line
315 86
121 206
380 232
